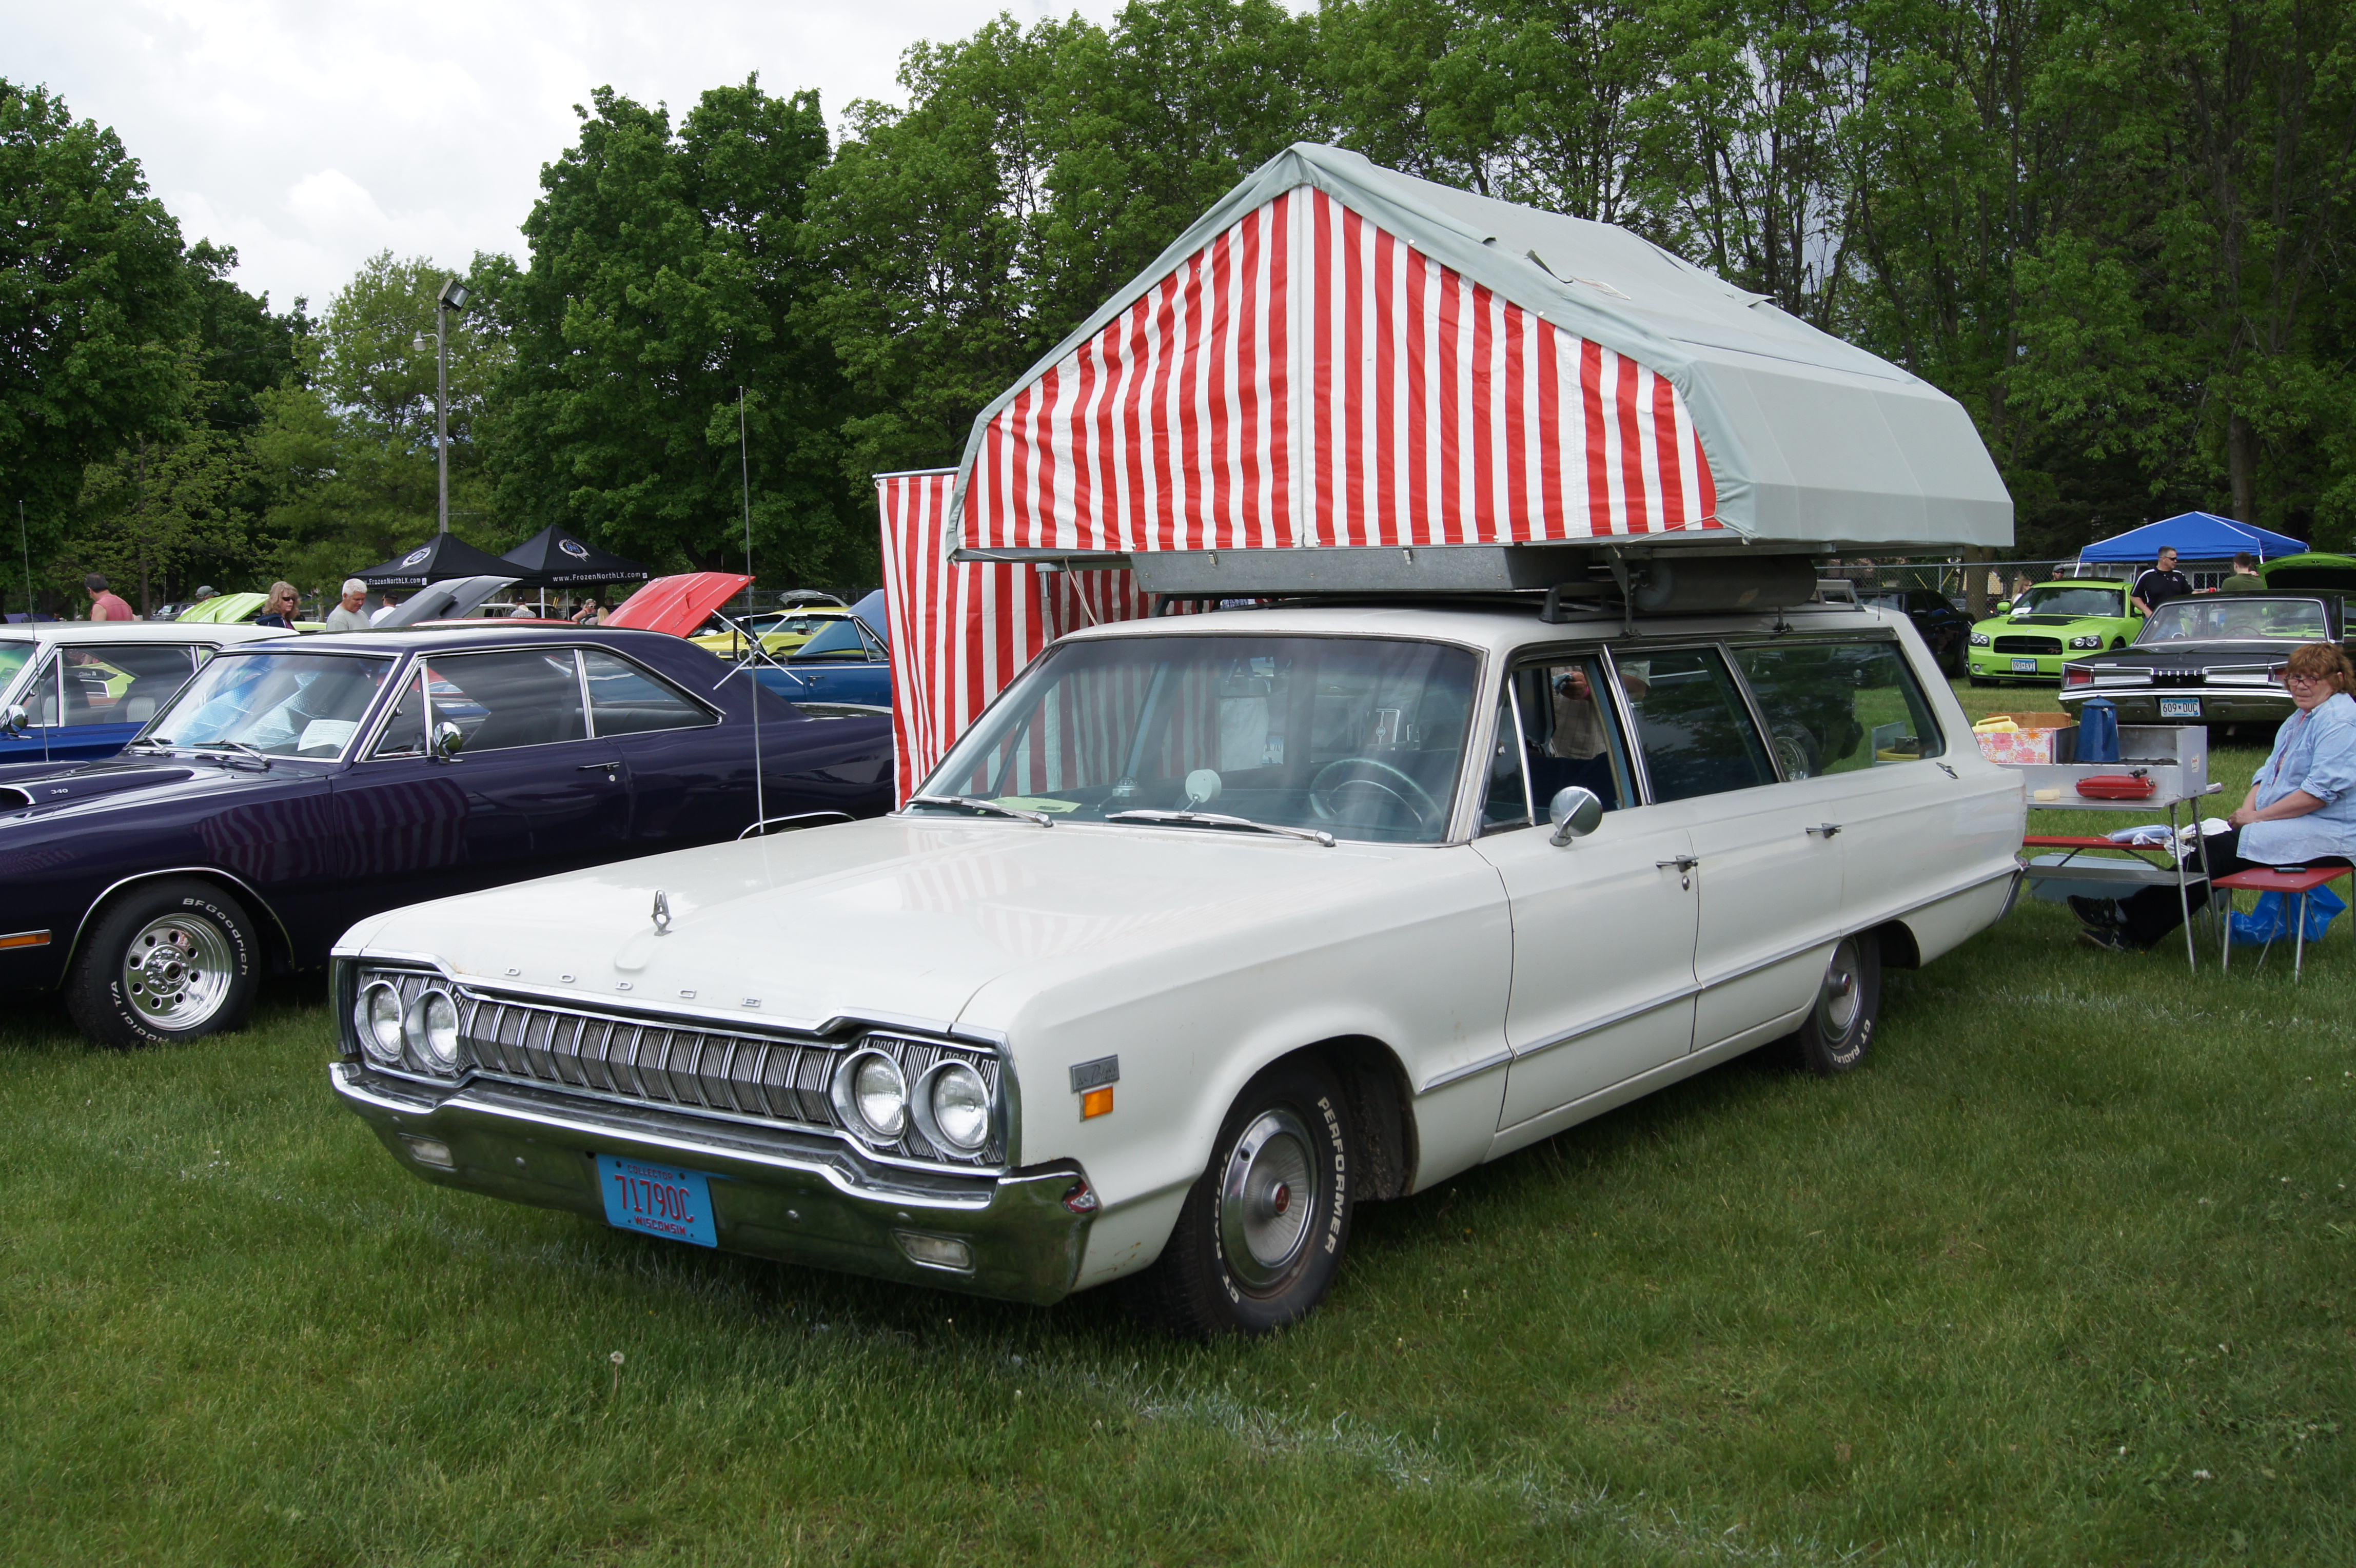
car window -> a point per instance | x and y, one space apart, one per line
840 640
281 704
14 656
1836 707
113 683
2070 599
1570 734
2237 616
404 730
1507 803
501 701
627 699
1693 727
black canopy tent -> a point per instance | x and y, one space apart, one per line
439 559
555 558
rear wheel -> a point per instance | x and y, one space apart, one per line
1260 1240
1848 1000
172 961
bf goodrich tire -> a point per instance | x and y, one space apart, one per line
172 961
1260 1239
1839 1027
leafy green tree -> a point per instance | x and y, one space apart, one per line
667 273
95 304
159 505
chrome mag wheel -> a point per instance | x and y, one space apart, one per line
178 971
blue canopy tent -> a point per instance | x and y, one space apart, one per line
2195 536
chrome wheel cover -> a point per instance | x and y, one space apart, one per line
178 971
1266 1198
1842 995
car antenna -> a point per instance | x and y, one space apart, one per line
753 695
32 608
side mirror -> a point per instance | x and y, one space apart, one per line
1575 813
448 739
13 720
2003 608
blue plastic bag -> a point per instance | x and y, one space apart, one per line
2270 921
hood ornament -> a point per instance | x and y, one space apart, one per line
663 911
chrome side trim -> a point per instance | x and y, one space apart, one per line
1470 1069
1639 1010
254 901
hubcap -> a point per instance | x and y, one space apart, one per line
1840 999
1263 1229
178 971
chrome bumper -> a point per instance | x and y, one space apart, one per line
795 1198
2219 704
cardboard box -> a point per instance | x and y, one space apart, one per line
2042 738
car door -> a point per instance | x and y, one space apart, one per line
1768 880
1603 986
688 773
843 664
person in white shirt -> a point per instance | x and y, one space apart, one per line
391 603
347 615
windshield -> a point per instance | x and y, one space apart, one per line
14 656
282 704
1359 737
2237 617
2070 599
841 640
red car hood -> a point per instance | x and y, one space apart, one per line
680 605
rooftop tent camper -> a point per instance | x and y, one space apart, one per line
1343 379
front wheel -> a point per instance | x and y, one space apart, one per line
1848 1001
1259 1239
173 961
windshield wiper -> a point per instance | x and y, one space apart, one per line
1042 818
1218 820
236 745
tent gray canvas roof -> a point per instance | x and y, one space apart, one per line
1812 441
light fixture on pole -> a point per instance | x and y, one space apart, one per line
454 296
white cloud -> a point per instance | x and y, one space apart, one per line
310 135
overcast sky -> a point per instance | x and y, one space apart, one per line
312 133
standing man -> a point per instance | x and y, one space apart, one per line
2161 583
347 615
2245 579
391 603
104 606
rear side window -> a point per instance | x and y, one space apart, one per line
1838 707
627 699
503 700
1692 724
112 683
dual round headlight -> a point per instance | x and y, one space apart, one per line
2093 642
949 1105
378 1018
1981 639
428 1026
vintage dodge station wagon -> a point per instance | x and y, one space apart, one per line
1211 928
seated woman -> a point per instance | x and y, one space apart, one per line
2300 811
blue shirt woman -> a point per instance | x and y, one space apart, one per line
2314 758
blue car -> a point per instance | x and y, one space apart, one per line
850 662
87 687
294 788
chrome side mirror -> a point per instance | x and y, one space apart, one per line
448 739
13 719
1575 813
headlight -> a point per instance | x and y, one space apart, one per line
953 1108
377 1016
1981 639
871 1095
431 1028
2095 640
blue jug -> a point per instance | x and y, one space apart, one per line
2098 730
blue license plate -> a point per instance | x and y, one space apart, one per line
660 1200
2024 666
2179 708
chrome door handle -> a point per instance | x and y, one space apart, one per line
1827 829
611 770
1682 863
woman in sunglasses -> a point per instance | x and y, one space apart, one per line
278 609
2300 811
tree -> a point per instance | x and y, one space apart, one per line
667 273
159 505
95 305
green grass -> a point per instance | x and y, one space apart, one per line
2078 1233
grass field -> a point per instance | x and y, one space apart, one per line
2060 1276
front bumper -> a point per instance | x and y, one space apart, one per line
1991 666
792 1197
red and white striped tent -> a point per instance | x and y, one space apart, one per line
1341 362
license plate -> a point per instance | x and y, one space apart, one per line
2024 665
2179 708
660 1200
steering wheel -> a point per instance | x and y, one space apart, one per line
1399 788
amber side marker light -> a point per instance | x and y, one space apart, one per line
1096 1102
41 940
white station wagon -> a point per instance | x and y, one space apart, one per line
1211 928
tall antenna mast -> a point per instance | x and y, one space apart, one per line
744 468
32 609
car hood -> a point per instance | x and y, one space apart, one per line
36 794
895 918
679 605
2000 625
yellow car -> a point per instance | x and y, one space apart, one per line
781 631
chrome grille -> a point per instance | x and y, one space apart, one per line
693 1067
2028 645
